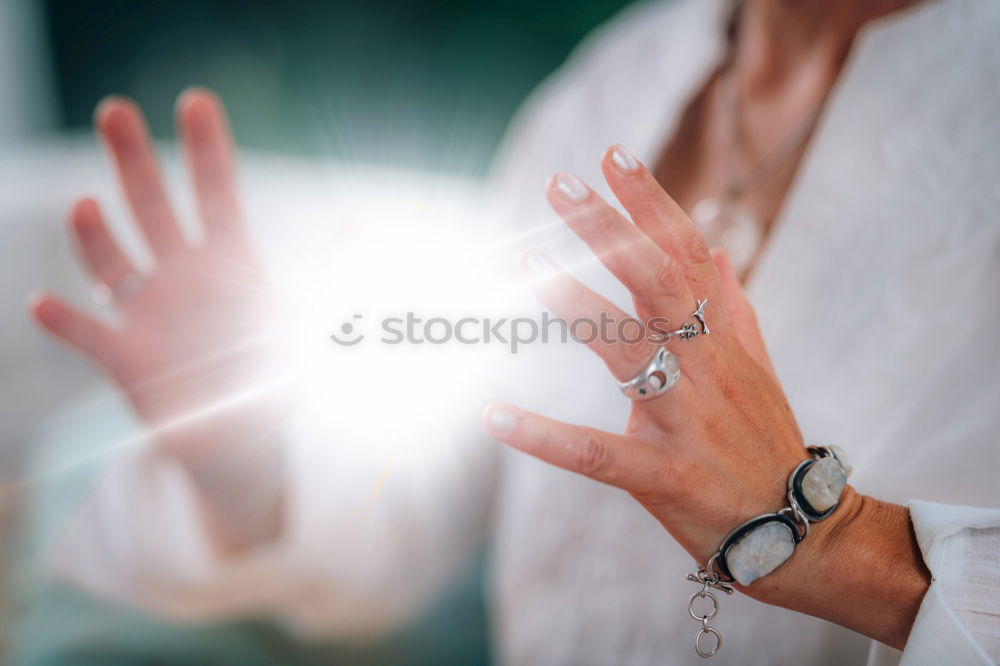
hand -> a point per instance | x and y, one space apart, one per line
718 445
717 448
191 342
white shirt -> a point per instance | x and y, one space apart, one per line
877 293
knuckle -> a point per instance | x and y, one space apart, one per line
693 250
594 455
668 277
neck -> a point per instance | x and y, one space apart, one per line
778 38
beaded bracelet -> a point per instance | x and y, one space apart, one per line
761 544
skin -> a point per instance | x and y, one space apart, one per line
726 419
171 349
788 56
717 448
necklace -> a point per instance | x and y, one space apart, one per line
725 220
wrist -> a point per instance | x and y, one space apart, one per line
235 464
241 493
860 568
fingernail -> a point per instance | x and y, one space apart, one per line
570 187
192 92
536 263
108 104
624 159
500 419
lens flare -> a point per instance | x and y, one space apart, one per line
392 253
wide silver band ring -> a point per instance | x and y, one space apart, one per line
659 375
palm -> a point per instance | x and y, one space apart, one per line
188 332
192 328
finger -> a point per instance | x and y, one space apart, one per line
123 129
78 330
620 340
104 259
629 463
659 216
210 153
741 313
653 277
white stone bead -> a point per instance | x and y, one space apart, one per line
823 483
760 552
842 457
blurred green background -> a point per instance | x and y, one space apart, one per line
425 83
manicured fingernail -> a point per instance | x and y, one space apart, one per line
500 419
624 159
536 263
570 188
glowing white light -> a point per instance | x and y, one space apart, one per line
387 252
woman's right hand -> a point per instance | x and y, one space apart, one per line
191 348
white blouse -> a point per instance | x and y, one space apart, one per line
879 295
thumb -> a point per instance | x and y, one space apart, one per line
741 312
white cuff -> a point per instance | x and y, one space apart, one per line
939 636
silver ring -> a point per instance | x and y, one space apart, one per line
659 375
123 289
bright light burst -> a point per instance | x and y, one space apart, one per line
353 247
384 248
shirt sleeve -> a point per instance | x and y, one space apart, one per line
366 543
959 619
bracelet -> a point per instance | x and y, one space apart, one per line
762 544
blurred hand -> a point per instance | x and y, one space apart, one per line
191 347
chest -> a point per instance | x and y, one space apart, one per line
719 152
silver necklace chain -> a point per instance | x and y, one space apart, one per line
739 184
725 219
